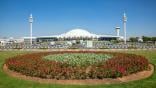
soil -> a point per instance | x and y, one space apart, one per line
131 77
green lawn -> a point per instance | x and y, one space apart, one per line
10 82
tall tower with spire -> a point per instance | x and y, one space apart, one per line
124 26
30 22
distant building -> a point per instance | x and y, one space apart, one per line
11 40
71 37
28 40
78 34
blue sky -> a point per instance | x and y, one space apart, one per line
59 16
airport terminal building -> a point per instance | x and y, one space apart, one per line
78 34
76 37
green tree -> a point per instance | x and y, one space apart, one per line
145 38
133 39
153 39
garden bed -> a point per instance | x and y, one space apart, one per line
99 67
124 79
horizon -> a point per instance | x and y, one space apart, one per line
53 17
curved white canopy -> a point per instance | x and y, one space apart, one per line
80 33
77 33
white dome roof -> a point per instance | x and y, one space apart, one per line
81 33
78 33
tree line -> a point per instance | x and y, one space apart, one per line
144 39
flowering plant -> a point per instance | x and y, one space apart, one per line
118 65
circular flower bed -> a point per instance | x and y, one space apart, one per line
77 64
